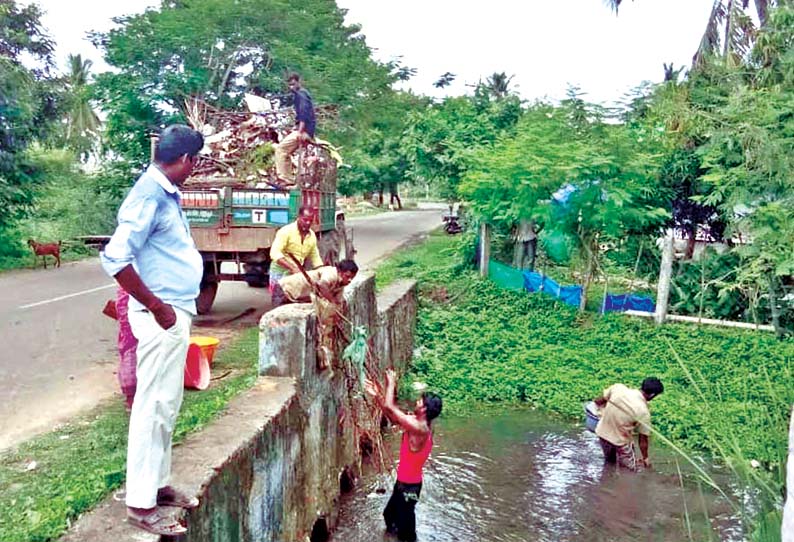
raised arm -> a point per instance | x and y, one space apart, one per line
388 404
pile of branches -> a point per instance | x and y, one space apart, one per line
360 364
240 144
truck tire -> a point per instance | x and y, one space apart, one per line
256 275
206 297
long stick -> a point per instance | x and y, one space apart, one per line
315 289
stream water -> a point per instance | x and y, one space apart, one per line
523 476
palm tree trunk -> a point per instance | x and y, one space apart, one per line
762 8
591 248
665 276
728 24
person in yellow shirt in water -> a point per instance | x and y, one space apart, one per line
297 240
625 410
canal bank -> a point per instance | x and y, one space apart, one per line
270 468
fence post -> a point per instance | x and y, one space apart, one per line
665 275
485 248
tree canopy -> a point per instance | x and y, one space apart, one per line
216 50
28 103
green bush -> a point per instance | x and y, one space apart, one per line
727 392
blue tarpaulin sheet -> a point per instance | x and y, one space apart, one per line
624 302
535 282
515 279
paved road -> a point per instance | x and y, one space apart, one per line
58 352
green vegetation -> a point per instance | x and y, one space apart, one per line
727 392
706 150
76 466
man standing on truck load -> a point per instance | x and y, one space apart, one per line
152 256
297 240
303 133
625 410
327 284
417 440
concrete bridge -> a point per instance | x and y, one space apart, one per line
271 468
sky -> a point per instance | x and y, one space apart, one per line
545 45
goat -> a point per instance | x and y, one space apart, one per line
44 250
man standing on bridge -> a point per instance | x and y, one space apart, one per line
295 240
153 257
417 440
303 133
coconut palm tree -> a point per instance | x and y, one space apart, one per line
730 29
445 80
82 122
498 84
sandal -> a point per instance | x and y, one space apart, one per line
156 523
169 496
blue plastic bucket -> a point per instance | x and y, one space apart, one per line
591 416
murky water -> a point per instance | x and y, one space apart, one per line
522 476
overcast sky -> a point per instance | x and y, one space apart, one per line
544 44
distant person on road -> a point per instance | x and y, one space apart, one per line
298 241
417 440
328 285
625 410
152 256
303 133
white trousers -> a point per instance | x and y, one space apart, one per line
158 396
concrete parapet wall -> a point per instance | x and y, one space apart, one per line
269 467
394 337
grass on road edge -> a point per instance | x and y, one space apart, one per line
47 482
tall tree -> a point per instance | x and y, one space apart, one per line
82 122
444 80
216 50
498 84
729 31
748 158
27 105
586 179
439 140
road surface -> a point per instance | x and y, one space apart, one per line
58 352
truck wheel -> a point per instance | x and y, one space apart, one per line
206 297
256 276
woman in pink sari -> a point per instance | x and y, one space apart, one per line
127 345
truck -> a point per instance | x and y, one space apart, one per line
235 223
233 205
